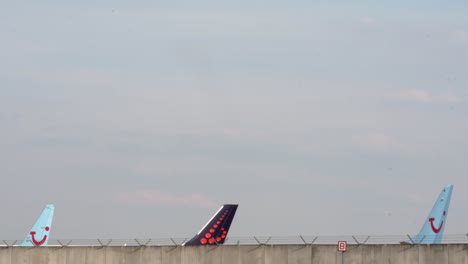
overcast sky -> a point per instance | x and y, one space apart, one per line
140 118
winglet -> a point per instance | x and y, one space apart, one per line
39 234
216 230
433 228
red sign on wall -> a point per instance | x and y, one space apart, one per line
342 246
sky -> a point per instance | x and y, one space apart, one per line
138 119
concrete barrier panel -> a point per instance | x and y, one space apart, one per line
214 254
231 255
299 254
95 255
172 254
31 255
252 254
405 254
352 256
325 254
76 255
276 254
193 255
373 254
457 254
150 255
5 255
124 255
21 255
433 254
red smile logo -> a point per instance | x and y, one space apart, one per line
40 242
434 229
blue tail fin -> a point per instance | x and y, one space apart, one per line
39 234
433 229
216 230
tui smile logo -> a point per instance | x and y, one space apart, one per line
435 229
40 242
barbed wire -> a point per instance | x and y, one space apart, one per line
253 240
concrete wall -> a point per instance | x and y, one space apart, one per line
281 254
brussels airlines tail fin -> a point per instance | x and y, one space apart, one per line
433 229
216 230
39 234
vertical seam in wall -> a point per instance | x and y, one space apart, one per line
222 253
182 255
238 254
419 254
311 254
448 255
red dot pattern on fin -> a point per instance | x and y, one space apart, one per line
215 235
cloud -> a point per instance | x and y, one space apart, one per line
461 36
232 132
420 96
452 99
152 197
367 21
380 142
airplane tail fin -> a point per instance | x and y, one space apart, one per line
216 230
39 234
433 228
